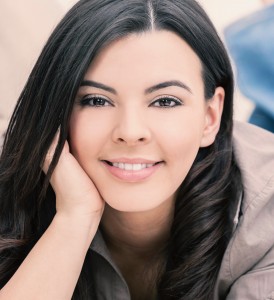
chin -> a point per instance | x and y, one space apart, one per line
130 204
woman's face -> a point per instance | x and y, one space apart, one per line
142 102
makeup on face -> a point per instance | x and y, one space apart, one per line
138 120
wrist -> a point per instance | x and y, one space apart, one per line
76 228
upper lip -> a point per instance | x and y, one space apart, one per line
136 160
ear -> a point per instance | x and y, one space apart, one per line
213 115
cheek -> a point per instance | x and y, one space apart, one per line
182 130
183 154
86 137
180 141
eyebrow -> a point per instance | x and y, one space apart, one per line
166 84
149 90
99 86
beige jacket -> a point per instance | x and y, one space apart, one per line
247 271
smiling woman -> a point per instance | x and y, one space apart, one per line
131 107
119 178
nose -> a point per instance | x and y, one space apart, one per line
131 128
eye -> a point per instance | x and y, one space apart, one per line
95 101
167 102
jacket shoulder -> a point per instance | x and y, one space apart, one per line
254 152
250 251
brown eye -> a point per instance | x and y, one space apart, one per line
167 102
95 101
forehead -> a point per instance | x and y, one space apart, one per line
148 56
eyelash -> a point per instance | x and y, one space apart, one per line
86 101
168 98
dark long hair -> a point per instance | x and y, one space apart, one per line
200 229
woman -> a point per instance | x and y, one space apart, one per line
128 112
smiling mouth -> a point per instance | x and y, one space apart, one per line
131 167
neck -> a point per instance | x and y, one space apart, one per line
137 233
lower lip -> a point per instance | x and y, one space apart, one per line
130 175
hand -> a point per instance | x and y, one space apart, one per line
76 194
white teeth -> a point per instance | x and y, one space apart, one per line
134 167
137 167
128 167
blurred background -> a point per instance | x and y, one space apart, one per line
26 25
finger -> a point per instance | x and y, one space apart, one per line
51 151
